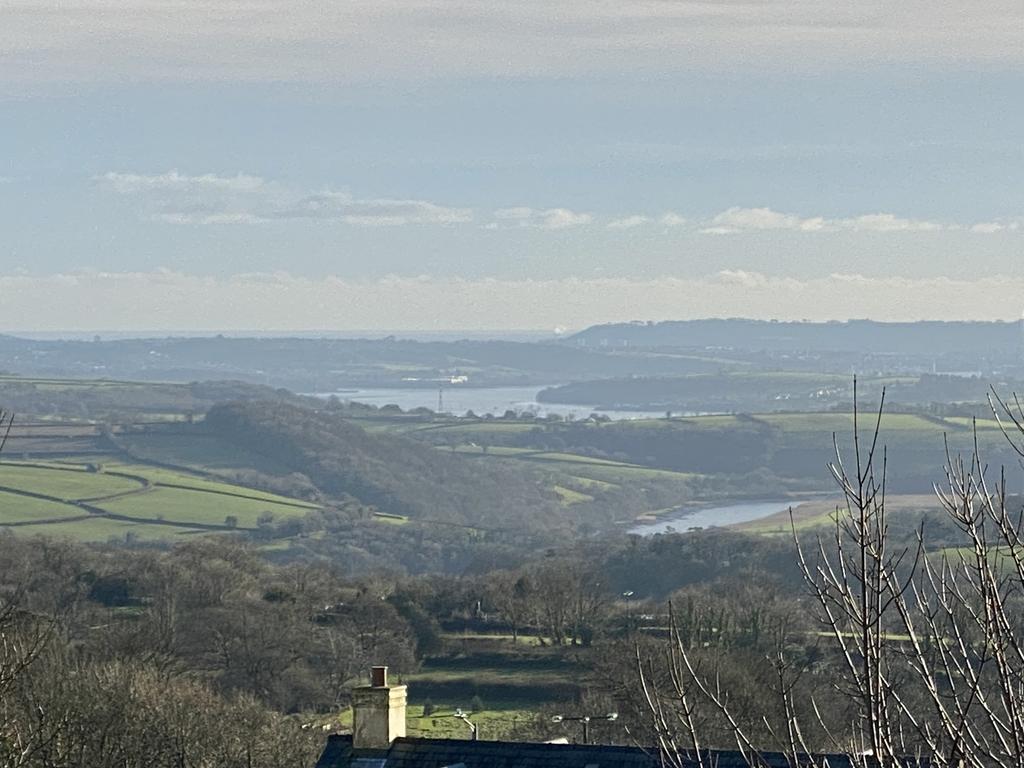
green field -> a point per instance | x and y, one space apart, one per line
493 722
22 509
179 505
167 477
821 513
159 504
569 496
66 484
513 683
575 478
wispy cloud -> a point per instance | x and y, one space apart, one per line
994 227
132 183
737 220
244 199
547 218
375 212
667 220
629 222
178 198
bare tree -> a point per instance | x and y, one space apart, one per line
929 645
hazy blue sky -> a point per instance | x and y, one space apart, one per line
429 164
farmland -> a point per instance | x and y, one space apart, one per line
163 472
512 683
94 502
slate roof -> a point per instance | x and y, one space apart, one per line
451 753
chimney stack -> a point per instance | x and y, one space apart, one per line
378 712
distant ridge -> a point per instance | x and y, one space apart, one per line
848 336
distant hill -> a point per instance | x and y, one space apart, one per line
325 365
853 336
394 474
108 399
765 391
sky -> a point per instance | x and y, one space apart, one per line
447 164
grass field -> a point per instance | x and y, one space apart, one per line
843 422
569 496
150 496
184 506
820 513
493 722
577 479
512 683
22 509
65 483
166 477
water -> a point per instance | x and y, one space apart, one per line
711 517
480 400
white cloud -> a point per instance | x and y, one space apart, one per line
993 227
279 301
374 213
629 222
547 218
195 217
887 222
736 220
131 40
177 198
671 219
210 199
131 183
752 219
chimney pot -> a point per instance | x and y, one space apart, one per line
378 712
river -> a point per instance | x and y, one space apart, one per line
711 517
480 400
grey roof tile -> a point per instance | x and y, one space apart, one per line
449 753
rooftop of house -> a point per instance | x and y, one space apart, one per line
453 753
378 740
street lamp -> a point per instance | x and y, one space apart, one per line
611 717
474 732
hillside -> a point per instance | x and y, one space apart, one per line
391 473
113 400
764 391
852 336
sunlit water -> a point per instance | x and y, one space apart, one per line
709 517
480 400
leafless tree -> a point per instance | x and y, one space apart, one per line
929 645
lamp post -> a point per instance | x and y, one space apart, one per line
473 730
611 717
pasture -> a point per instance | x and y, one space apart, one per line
514 685
821 513
90 502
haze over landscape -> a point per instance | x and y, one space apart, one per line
395 165
438 383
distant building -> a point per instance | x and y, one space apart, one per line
378 740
